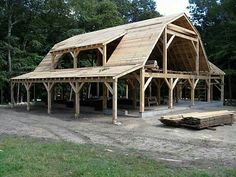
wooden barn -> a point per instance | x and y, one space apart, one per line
146 56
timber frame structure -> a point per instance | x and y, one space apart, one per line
160 50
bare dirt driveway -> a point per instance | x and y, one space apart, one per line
174 146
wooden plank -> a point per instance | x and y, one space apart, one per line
77 100
181 35
147 83
197 57
170 101
109 87
180 29
142 91
114 102
104 56
170 41
164 67
104 97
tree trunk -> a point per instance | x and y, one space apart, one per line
9 31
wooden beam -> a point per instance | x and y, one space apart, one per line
100 50
136 77
27 87
109 87
114 102
48 86
180 29
169 75
104 97
126 91
182 35
197 57
168 84
170 41
142 91
77 99
170 101
147 83
164 67
208 82
104 56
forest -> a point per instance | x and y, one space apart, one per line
29 28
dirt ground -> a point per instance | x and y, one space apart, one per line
174 146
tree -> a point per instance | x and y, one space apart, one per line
216 21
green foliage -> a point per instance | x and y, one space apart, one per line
216 21
29 28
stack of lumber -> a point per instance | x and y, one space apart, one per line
200 120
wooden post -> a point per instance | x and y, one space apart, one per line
159 91
170 101
193 85
77 87
27 87
150 89
209 90
134 95
165 51
89 90
104 97
114 102
77 100
142 92
12 94
126 91
18 93
104 56
192 96
222 89
197 57
49 87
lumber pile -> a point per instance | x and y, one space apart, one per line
200 120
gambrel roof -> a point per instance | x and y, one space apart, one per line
138 40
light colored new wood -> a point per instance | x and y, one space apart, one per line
27 87
114 102
142 91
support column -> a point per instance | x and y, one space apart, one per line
208 90
114 102
165 51
193 85
76 86
192 96
170 101
27 87
126 91
48 86
159 91
150 90
142 92
77 100
104 97
222 89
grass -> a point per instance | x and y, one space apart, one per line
29 157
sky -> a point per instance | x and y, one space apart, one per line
168 7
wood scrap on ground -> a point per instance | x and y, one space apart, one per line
200 120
